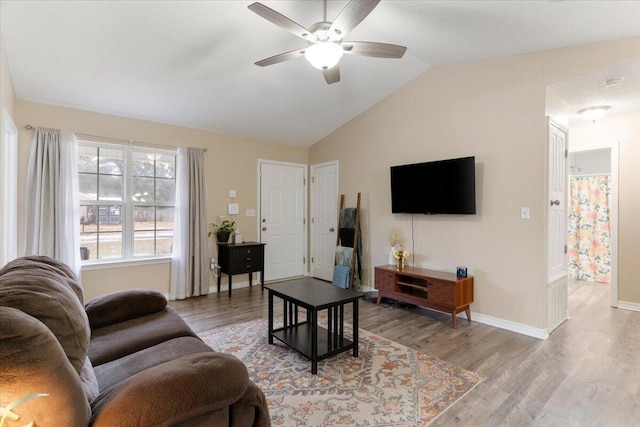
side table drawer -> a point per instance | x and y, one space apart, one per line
245 260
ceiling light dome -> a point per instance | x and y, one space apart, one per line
593 113
324 55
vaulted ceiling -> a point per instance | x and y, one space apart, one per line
191 63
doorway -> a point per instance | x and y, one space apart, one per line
282 225
592 217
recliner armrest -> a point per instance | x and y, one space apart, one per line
123 305
173 392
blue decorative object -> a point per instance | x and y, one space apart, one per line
461 272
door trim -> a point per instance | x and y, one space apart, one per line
305 191
614 147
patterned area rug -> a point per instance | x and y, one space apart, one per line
387 385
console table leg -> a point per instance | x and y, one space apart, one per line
453 319
468 311
379 299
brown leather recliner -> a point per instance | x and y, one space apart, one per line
124 359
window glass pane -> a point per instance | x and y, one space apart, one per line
87 159
144 231
165 190
144 218
110 187
166 166
109 232
111 161
164 230
143 164
142 189
88 186
88 233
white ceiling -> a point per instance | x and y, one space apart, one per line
191 63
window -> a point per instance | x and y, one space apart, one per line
127 201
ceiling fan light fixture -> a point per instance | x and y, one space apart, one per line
324 55
593 113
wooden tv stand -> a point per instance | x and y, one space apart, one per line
427 288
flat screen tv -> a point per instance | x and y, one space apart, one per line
438 187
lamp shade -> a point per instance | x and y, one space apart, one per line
323 55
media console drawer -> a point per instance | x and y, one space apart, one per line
426 288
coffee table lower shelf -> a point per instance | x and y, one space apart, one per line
298 337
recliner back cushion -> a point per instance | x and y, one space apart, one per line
40 287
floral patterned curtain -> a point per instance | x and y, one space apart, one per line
590 229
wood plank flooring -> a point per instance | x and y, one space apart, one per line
587 373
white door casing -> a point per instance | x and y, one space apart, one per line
324 219
9 190
282 218
557 203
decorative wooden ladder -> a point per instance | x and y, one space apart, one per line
356 237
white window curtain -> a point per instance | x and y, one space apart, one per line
190 255
53 212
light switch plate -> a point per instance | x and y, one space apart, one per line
233 209
232 193
525 213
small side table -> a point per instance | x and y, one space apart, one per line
241 258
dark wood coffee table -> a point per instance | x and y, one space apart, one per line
303 334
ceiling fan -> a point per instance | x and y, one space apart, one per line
325 39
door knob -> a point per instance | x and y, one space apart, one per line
555 202
332 229
264 228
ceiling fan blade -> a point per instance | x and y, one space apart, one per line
352 14
332 75
299 53
281 21
376 50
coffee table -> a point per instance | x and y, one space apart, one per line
302 333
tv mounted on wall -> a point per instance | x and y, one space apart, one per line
438 187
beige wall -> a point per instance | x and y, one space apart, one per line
230 162
623 130
494 110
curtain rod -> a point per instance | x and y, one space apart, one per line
122 141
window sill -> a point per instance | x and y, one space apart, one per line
99 265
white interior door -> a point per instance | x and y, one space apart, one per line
557 204
324 218
282 219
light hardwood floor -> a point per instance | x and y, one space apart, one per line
587 373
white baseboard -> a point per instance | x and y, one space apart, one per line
628 305
520 328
